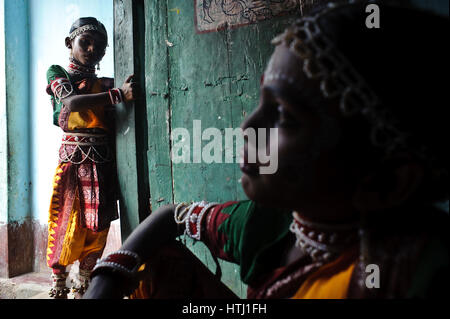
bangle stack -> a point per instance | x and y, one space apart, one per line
61 88
122 262
191 216
180 217
115 96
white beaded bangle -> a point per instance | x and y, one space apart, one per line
188 217
108 262
113 264
62 90
180 217
197 219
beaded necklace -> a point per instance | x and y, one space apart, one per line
323 242
80 70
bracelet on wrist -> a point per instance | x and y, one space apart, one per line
123 263
191 216
115 95
180 215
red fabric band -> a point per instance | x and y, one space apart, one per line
116 96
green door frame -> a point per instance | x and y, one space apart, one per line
131 135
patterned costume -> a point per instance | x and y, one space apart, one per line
84 199
253 237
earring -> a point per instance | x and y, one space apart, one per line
98 66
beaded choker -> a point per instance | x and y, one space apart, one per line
75 68
323 242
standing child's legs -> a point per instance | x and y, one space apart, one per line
94 244
59 289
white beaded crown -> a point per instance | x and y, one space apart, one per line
338 78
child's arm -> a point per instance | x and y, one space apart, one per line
77 103
156 230
210 225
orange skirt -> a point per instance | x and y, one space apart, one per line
68 240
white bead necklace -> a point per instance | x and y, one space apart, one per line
323 242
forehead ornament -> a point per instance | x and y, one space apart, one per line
338 78
279 76
323 61
87 27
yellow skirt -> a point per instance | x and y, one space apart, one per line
68 241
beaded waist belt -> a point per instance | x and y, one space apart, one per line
83 139
77 148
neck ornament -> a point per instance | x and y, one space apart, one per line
77 69
323 242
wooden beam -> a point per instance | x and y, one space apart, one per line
158 104
131 135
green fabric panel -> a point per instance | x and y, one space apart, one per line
251 231
56 71
233 227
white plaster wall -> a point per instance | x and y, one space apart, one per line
50 22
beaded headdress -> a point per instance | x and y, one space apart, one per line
323 61
338 78
87 24
88 27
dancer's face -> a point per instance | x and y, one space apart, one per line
88 48
313 172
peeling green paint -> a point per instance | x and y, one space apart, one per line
212 77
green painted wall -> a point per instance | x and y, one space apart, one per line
437 6
214 77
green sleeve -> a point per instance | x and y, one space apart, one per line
53 72
251 231
56 71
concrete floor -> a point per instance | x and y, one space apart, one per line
26 286
32 285
36 285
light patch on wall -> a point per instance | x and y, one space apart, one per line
46 145
50 22
72 12
213 15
